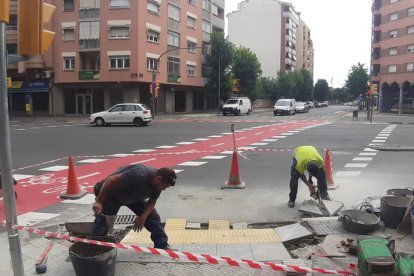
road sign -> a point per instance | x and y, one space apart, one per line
235 87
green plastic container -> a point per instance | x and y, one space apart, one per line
405 264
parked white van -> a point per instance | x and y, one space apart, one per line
285 106
237 106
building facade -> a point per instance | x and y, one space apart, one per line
304 45
107 52
392 59
273 38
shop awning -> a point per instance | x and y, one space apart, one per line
29 87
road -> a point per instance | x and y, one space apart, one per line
198 147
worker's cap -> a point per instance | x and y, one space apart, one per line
313 168
168 175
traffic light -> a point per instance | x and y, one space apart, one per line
4 11
33 39
374 88
150 88
157 88
9 82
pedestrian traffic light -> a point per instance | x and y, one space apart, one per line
157 88
9 82
33 39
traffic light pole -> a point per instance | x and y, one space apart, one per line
6 162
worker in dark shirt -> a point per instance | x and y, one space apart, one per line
138 188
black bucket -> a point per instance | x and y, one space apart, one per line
401 192
92 259
393 209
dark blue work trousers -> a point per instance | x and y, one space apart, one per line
152 224
294 182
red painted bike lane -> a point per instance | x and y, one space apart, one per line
43 190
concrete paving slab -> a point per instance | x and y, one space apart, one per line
236 251
332 207
292 232
310 208
239 225
303 253
326 227
209 249
331 244
269 252
193 225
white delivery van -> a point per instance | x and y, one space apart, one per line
237 106
285 106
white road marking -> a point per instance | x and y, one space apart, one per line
287 133
86 200
258 133
362 159
201 139
215 136
293 131
369 149
92 160
178 171
383 134
165 147
121 155
144 161
54 168
356 165
21 176
32 218
192 163
185 143
259 144
269 140
378 141
227 152
247 148
216 145
347 173
280 136
241 138
381 138
144 150
214 157
368 153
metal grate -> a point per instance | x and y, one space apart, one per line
125 219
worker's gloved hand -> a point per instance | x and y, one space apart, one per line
313 189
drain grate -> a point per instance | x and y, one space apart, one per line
125 219
323 228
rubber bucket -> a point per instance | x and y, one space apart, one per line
92 259
393 210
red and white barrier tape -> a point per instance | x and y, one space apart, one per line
199 258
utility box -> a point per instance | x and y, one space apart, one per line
374 256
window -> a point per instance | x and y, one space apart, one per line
119 62
119 3
191 22
392 51
89 30
173 66
392 68
393 16
69 63
207 5
173 12
192 2
119 32
152 64
153 36
214 10
68 5
173 39
410 48
191 70
410 11
393 33
410 67
410 30
153 7
191 46
68 34
206 26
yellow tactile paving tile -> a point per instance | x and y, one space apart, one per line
175 224
218 224
208 236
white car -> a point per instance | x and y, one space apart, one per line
124 113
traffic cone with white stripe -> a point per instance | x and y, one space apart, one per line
234 181
73 189
329 171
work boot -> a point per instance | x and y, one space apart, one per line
168 247
326 197
291 204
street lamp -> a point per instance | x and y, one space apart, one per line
158 65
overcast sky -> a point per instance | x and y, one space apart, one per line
340 31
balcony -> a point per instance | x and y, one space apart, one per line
218 22
89 75
89 44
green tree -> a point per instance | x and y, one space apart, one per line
357 81
321 90
303 84
284 85
218 61
246 68
267 88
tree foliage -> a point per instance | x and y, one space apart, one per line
321 90
357 81
218 61
246 68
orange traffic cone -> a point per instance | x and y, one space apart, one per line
73 190
234 179
329 171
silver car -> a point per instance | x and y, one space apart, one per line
124 113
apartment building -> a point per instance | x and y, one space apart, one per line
304 48
392 59
273 38
107 52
